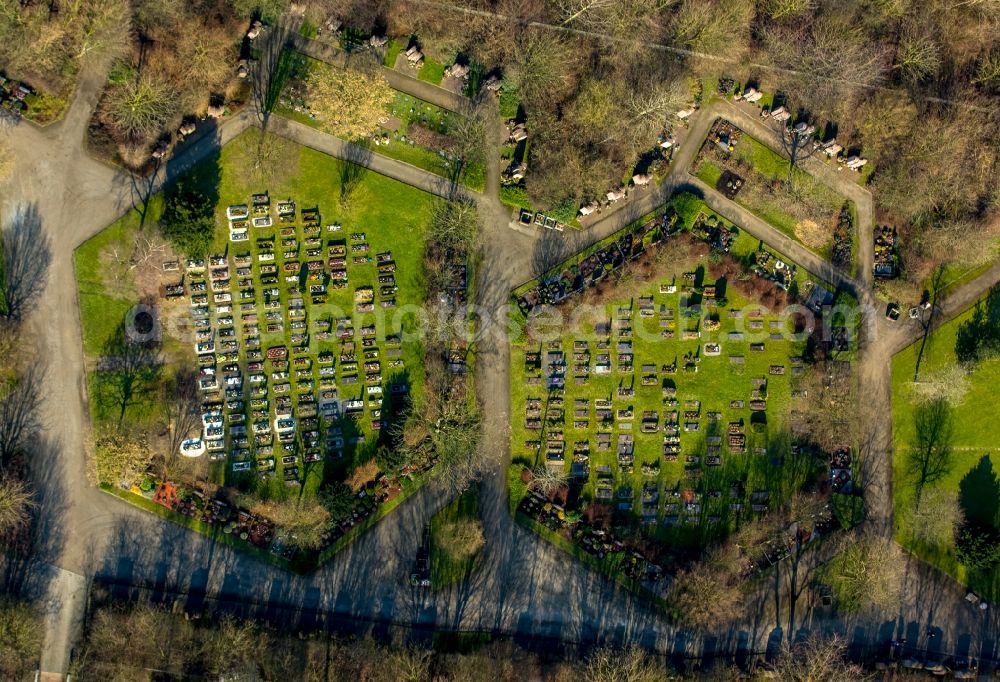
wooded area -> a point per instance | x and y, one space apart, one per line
912 85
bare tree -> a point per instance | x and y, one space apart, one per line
15 504
779 9
121 457
989 70
269 71
623 665
950 383
142 186
539 67
454 226
302 523
353 169
138 109
708 26
634 20
817 659
927 321
936 516
107 28
647 108
929 458
26 259
469 134
183 407
867 573
349 102
21 625
410 664
548 480
918 57
265 157
456 437
797 148
826 408
705 594
6 163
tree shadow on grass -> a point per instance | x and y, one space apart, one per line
352 169
979 493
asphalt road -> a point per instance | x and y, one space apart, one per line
525 585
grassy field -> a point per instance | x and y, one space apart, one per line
715 384
393 217
104 301
709 173
448 528
974 438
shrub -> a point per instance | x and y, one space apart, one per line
188 220
461 539
515 195
978 546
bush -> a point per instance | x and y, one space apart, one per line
978 546
564 212
515 195
20 639
390 459
188 219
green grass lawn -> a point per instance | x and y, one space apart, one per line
394 217
104 299
709 173
432 71
392 51
975 436
510 101
463 511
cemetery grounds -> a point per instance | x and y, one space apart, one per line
805 209
668 411
975 452
415 132
375 237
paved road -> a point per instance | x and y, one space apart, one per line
525 585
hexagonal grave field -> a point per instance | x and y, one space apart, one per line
253 388
655 416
